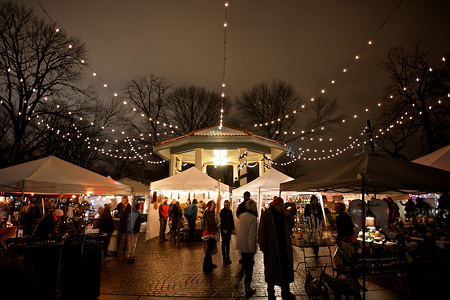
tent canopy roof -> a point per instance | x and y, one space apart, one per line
268 181
139 189
52 175
377 173
189 180
438 159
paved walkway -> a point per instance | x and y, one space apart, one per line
163 269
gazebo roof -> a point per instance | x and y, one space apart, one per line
220 138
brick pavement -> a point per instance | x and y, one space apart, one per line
166 270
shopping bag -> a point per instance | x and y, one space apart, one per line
112 247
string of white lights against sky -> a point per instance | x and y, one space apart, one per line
169 127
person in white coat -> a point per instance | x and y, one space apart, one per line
246 242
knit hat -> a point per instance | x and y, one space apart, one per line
226 202
277 200
210 205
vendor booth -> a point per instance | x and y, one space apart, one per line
262 189
375 174
188 185
53 176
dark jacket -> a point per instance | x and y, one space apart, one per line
293 207
105 223
123 217
269 243
226 219
241 209
345 226
311 210
47 225
176 215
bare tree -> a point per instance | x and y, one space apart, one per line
265 103
40 76
148 96
193 108
270 107
415 101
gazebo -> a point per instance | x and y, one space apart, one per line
220 145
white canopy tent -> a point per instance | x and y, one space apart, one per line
439 159
262 188
139 189
189 184
52 175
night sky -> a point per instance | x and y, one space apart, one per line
306 43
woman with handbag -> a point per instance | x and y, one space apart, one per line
209 235
176 218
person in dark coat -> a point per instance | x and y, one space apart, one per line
314 211
123 208
47 225
274 236
31 218
241 208
409 208
105 224
176 216
226 228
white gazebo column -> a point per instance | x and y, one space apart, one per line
243 164
172 164
235 172
198 158
268 162
261 166
179 165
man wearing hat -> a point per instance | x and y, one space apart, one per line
275 242
226 228
47 225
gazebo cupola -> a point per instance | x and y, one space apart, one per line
220 145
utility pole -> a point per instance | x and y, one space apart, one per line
69 139
369 131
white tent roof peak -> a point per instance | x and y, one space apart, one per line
438 159
51 175
269 180
189 180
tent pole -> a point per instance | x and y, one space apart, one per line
363 238
20 216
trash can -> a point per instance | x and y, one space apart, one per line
82 261
44 258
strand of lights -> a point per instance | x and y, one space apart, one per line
336 152
94 74
246 164
225 25
344 70
355 116
243 155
